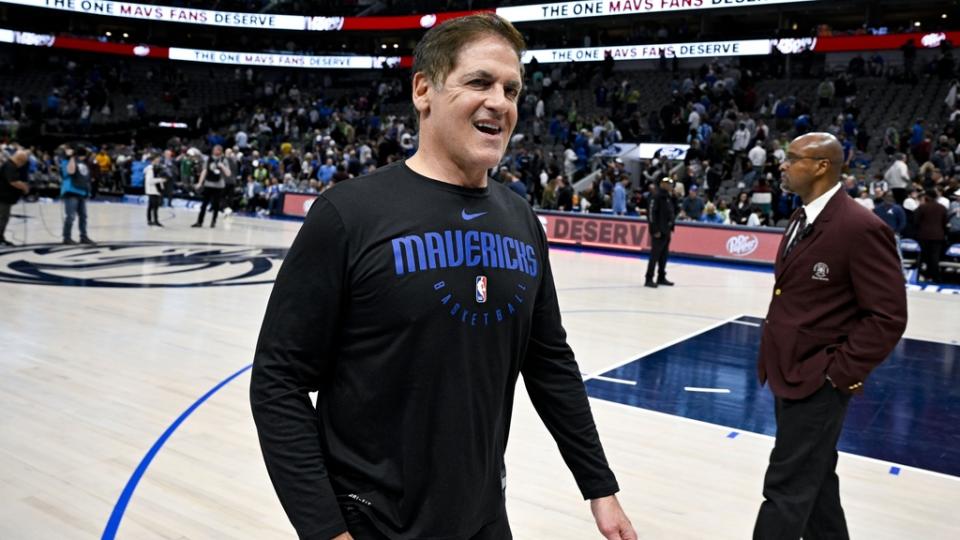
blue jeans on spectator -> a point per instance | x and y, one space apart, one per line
74 206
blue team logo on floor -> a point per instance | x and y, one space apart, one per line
141 265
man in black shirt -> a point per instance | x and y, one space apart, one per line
11 188
661 218
413 323
213 180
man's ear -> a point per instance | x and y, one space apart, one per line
422 93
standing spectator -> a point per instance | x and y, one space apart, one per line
212 182
893 215
11 188
565 195
757 156
898 177
943 160
741 138
171 173
931 222
660 216
620 196
74 191
153 181
516 185
570 159
105 167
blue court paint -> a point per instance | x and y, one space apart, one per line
732 435
641 312
110 532
895 471
909 413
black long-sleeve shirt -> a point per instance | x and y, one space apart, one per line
661 213
412 306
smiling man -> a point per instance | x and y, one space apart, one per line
413 323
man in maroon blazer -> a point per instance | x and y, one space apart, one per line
838 308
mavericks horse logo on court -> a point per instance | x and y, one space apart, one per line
141 265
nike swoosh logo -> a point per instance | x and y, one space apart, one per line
469 217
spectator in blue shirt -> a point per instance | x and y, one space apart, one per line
891 213
916 135
620 197
326 171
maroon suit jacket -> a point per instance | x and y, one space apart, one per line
839 304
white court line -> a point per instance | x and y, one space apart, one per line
747 323
618 381
768 437
598 373
707 390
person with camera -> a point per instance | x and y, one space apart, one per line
74 191
11 188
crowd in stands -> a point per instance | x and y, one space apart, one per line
301 132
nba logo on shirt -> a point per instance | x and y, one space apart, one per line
481 289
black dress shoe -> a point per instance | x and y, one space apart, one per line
197 225
664 282
650 283
69 242
87 240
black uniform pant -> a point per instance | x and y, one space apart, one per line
360 527
801 488
659 252
211 197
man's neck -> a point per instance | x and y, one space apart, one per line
816 192
444 170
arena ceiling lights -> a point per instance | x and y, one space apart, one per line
269 21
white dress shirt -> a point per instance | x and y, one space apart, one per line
815 207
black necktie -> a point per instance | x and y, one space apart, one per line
798 231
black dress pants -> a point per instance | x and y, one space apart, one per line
930 251
801 488
659 252
360 527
